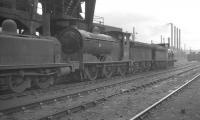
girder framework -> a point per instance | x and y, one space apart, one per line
57 13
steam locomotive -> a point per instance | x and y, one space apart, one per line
69 46
27 60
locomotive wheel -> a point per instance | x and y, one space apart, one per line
133 70
18 84
122 70
107 71
43 82
91 72
148 66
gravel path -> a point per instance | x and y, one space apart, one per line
184 106
53 93
126 106
37 113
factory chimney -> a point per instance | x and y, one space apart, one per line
171 35
168 41
179 38
133 35
175 37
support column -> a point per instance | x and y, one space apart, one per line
33 13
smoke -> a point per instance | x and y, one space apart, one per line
147 27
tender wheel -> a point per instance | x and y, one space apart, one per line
43 82
18 84
91 72
133 70
76 76
107 71
122 70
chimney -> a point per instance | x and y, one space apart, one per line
169 41
179 38
175 37
171 34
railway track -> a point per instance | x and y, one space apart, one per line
145 113
84 84
82 93
4 96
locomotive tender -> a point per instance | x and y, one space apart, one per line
73 50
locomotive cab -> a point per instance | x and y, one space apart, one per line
23 57
17 49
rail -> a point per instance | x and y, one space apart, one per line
144 113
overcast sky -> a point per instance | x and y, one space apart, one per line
151 18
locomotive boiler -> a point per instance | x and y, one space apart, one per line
95 46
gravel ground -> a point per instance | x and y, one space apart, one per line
183 61
127 105
39 96
184 106
43 94
37 113
58 106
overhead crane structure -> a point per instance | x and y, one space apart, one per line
56 14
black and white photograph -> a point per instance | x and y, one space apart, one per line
99 60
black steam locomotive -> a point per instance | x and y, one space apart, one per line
38 61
